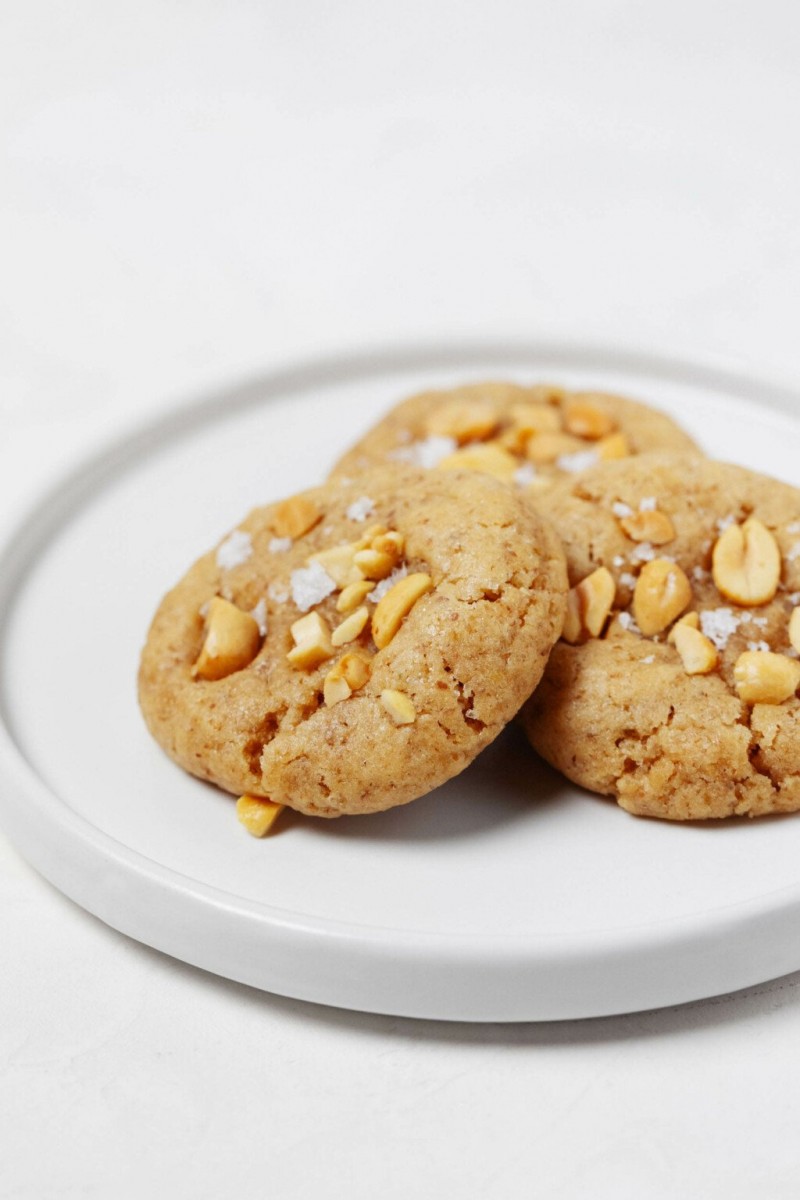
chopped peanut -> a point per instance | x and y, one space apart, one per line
375 564
232 641
746 564
544 448
257 814
352 595
766 678
698 653
312 638
588 420
616 445
295 516
530 419
654 527
794 629
369 535
338 561
690 619
395 606
335 688
662 593
464 420
589 605
489 459
399 706
355 668
350 627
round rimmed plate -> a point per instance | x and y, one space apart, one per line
506 895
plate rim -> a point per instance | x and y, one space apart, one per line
36 817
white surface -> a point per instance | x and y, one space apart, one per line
193 191
461 906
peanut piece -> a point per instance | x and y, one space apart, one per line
295 516
690 619
746 564
588 420
698 653
395 606
398 706
335 688
369 535
765 678
794 629
232 641
544 448
312 638
374 564
530 419
338 562
616 445
589 605
464 420
355 669
352 595
488 459
257 814
654 527
662 593
350 627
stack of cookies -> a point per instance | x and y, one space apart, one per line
482 551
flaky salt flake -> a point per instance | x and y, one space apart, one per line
725 523
582 460
761 622
794 597
387 584
793 553
648 504
310 585
644 552
525 475
279 545
628 623
618 561
427 454
259 615
719 624
651 658
794 527
759 647
620 509
235 550
627 580
360 509
700 574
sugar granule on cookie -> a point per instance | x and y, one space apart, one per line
681 702
369 660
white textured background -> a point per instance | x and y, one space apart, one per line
190 192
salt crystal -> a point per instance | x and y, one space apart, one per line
280 545
725 523
620 509
618 561
380 590
648 504
719 624
627 580
762 622
651 658
235 550
360 509
428 453
794 597
525 475
310 585
700 574
627 622
582 460
759 647
644 552
794 527
793 553
259 615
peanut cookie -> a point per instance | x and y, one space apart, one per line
674 686
527 436
353 647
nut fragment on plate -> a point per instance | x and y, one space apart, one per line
257 814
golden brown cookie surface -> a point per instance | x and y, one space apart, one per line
674 689
527 436
352 648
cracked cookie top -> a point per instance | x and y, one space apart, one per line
674 687
527 437
353 647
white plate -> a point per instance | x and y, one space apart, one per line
506 895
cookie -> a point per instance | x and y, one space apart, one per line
674 686
527 436
353 647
